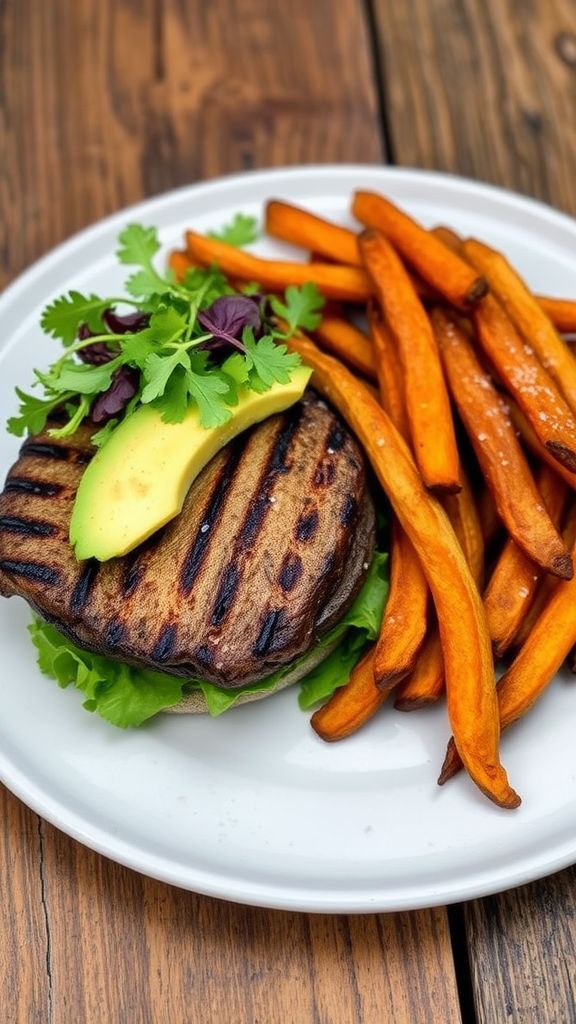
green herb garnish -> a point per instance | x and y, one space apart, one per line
177 345
242 230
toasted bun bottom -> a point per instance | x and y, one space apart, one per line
195 704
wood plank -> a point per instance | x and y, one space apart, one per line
101 103
160 94
24 980
523 953
184 956
485 88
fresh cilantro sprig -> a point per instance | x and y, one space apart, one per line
196 343
301 308
242 230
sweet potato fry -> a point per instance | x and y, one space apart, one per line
405 616
437 264
463 514
351 284
299 227
550 641
448 237
179 262
516 577
348 343
493 438
352 705
388 370
528 437
489 518
472 702
527 316
526 379
426 683
429 413
562 312
545 589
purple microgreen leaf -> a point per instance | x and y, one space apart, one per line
227 318
126 323
96 354
123 387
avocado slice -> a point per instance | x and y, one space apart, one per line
138 481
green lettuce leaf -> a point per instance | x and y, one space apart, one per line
121 694
127 696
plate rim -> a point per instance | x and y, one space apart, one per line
136 857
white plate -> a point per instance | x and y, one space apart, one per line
253 806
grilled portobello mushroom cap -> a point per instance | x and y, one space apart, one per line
269 551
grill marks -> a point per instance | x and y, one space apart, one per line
307 525
290 572
81 591
33 571
226 593
349 510
165 644
62 453
134 564
325 474
197 553
132 576
265 640
236 586
258 509
114 632
276 464
38 488
27 527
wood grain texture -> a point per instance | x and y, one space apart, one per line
24 979
522 948
181 957
104 102
101 103
485 88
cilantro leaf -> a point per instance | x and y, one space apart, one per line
137 347
138 245
166 324
301 307
171 351
241 230
157 372
143 283
33 413
79 378
174 402
62 318
236 368
271 363
208 389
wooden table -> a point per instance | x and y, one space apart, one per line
104 102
